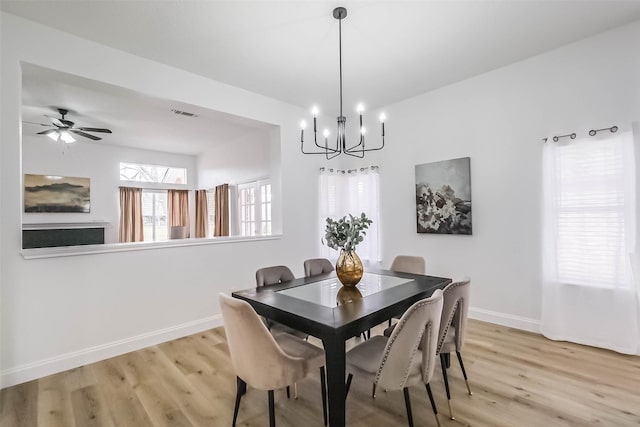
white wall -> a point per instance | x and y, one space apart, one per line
57 313
100 163
245 159
498 119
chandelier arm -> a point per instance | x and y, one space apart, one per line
350 153
354 149
317 152
325 146
337 153
326 149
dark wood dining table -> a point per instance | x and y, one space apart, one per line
309 305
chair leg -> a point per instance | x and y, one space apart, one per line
407 402
347 386
288 392
368 334
464 373
389 323
447 359
241 388
323 386
443 362
433 403
272 410
295 391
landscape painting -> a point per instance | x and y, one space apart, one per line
48 193
443 197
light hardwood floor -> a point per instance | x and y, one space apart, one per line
518 379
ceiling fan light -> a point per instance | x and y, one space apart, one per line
66 137
54 135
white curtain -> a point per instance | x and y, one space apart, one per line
589 295
351 192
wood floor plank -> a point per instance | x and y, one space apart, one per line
155 399
54 402
18 405
192 403
90 408
518 379
124 406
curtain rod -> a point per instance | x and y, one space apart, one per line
322 169
592 132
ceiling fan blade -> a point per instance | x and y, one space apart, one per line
67 123
35 123
86 135
47 132
95 130
56 121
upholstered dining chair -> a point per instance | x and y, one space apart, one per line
178 232
316 266
408 264
453 326
264 361
272 276
397 362
452 330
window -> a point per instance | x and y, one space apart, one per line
211 211
150 173
154 215
254 206
351 192
590 208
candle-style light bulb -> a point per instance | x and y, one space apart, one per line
314 111
383 117
360 108
363 130
303 125
326 133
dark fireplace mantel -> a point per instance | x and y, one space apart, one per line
51 235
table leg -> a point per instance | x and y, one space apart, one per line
334 349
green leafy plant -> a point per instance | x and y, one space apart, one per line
346 233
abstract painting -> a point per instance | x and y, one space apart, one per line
443 197
48 193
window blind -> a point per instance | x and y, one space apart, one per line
590 213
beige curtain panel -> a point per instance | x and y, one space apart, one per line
202 213
130 215
178 207
222 210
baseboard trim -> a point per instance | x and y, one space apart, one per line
42 368
517 322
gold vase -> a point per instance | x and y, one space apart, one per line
349 268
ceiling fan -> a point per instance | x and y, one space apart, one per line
63 128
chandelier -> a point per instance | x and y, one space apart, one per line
331 151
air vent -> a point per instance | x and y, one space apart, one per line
184 113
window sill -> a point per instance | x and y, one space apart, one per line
64 251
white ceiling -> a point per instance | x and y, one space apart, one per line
288 49
392 50
136 120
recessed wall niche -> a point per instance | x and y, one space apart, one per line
213 146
